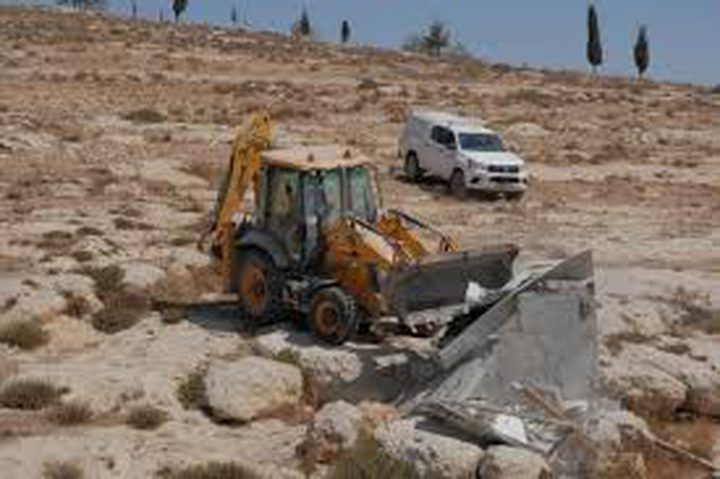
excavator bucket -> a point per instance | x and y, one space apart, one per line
442 280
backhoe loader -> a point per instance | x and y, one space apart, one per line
317 243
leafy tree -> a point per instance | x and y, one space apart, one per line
84 4
303 27
179 7
345 31
594 43
234 15
642 52
437 38
434 41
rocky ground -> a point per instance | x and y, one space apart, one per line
113 135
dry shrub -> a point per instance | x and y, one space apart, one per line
28 394
202 169
367 459
146 418
82 256
696 312
24 334
610 152
76 306
57 240
614 342
121 311
70 414
210 470
697 435
191 391
128 224
531 96
108 279
186 288
145 115
62 470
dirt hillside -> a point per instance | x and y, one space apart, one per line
113 137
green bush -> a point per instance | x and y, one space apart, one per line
28 394
108 279
24 334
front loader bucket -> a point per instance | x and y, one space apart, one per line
442 280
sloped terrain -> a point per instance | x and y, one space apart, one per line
113 137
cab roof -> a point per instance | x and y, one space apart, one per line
451 120
314 157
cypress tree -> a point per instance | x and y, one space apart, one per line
642 52
234 15
345 31
134 9
179 7
594 43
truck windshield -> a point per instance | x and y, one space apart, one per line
481 142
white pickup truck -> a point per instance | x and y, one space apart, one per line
462 152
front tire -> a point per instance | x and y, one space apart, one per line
412 167
457 185
333 316
260 288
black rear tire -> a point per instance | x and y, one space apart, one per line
333 317
260 289
412 167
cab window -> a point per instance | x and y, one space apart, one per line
362 199
444 137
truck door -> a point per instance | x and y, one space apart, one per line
444 151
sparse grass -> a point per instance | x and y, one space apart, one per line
121 311
146 418
76 306
62 470
182 288
191 391
28 394
210 470
88 231
145 115
24 334
368 460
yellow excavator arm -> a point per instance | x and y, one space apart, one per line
245 163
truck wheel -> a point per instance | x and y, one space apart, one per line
333 316
457 185
412 167
260 288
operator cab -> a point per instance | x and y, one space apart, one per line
307 190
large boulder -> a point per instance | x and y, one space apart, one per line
661 382
432 454
251 387
142 275
334 428
352 372
503 462
614 430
